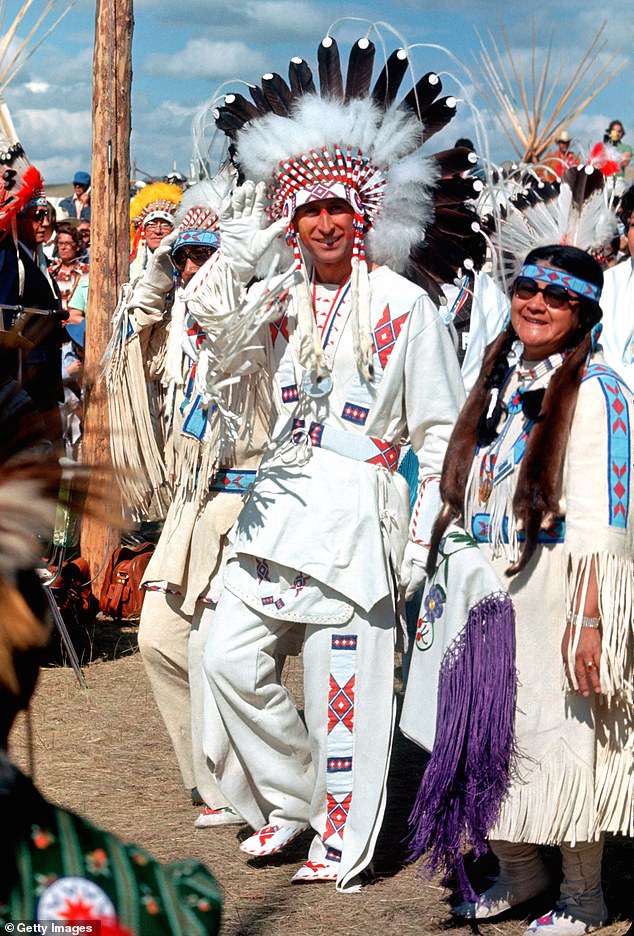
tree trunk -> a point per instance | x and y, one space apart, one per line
110 241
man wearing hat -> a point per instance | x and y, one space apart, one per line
77 205
557 160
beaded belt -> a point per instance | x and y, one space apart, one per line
481 523
232 481
361 448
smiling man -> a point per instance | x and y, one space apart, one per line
325 228
360 360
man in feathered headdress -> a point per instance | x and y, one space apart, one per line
360 360
152 213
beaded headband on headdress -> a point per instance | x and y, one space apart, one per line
159 208
37 200
158 214
323 174
410 208
198 228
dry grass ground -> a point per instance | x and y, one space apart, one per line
104 752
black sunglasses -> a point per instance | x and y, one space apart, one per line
197 255
555 297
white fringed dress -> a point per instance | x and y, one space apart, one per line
575 775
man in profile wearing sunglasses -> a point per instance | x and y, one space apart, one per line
25 281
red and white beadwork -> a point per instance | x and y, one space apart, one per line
340 740
330 172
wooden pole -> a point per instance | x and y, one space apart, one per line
109 240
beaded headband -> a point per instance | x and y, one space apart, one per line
560 278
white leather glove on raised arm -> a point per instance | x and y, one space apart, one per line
413 572
147 300
244 236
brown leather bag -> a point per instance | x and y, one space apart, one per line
121 592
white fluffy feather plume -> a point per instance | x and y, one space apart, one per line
391 140
210 193
584 222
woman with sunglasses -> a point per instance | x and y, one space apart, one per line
538 471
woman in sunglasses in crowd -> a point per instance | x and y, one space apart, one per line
538 470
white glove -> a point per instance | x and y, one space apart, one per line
243 236
159 274
413 572
147 300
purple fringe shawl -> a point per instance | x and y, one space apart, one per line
468 773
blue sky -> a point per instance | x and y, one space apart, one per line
183 51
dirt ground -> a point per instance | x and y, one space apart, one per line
105 753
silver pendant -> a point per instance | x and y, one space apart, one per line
318 388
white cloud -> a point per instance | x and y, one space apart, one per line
259 21
57 169
295 18
37 87
53 129
203 58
